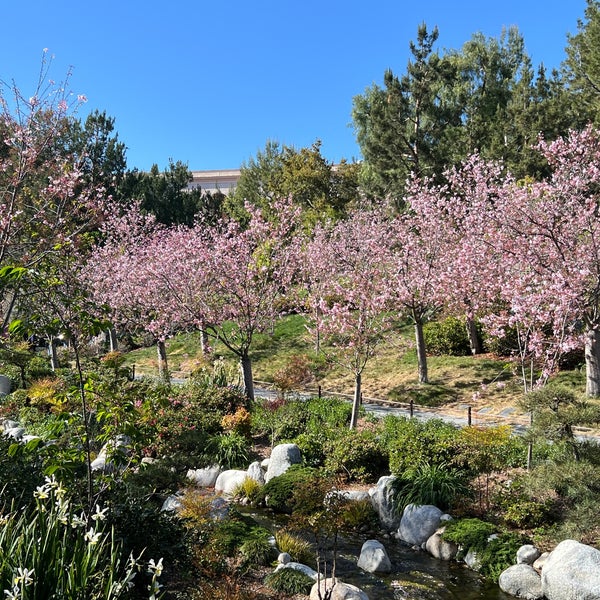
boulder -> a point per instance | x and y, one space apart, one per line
473 560
171 504
383 501
16 433
419 523
284 558
440 548
228 480
527 554
5 385
541 561
298 567
521 581
255 472
282 458
112 455
206 477
340 591
572 572
374 558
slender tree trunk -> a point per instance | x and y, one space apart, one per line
247 374
113 342
52 353
421 354
356 401
592 362
163 366
473 336
204 341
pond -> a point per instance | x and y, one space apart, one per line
415 575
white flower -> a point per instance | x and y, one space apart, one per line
24 576
14 594
41 492
92 536
155 568
78 521
99 515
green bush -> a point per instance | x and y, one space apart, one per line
297 547
230 450
289 582
355 455
447 337
469 533
499 554
257 549
358 515
278 493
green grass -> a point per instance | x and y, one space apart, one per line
391 375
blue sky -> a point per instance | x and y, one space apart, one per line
208 83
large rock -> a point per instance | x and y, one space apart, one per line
440 548
374 558
521 581
572 572
527 554
5 385
296 566
228 480
204 478
282 458
255 472
419 523
383 500
113 455
340 591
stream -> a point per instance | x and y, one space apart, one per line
415 575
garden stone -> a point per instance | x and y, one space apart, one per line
5 385
340 591
205 477
219 509
284 558
522 581
282 458
105 461
440 548
472 560
419 523
10 424
228 480
382 499
541 561
298 567
171 504
374 558
354 495
255 472
527 554
572 572
16 433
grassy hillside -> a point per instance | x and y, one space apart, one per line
483 382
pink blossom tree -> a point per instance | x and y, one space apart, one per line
345 270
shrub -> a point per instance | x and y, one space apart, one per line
249 490
289 582
298 548
239 422
230 450
359 514
257 549
499 554
447 337
469 533
278 493
357 455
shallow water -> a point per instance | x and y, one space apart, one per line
415 575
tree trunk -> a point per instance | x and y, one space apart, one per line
356 401
421 355
163 367
204 342
247 374
592 362
113 342
473 336
52 353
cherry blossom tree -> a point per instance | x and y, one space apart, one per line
345 271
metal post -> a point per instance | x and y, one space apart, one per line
469 416
412 408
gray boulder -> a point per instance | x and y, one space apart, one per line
298 567
5 385
538 565
340 591
419 523
112 455
282 458
572 572
527 554
228 480
171 504
374 558
521 581
382 498
440 548
255 472
16 433
205 477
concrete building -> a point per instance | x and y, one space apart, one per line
223 181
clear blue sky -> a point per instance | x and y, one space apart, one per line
208 83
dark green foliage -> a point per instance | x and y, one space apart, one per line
436 484
229 450
520 509
447 337
290 581
412 443
278 493
21 471
359 515
469 533
257 548
232 532
355 455
500 553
